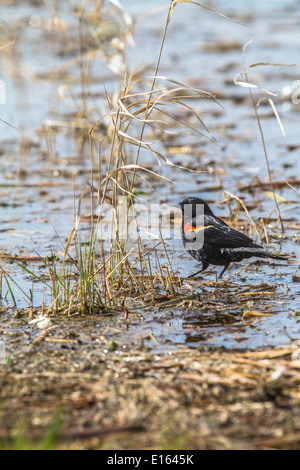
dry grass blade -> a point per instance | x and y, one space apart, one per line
232 196
120 263
267 159
254 313
247 84
123 189
209 9
163 157
292 187
274 64
142 142
136 167
10 125
255 106
201 93
134 116
169 15
7 44
276 115
83 194
186 124
163 99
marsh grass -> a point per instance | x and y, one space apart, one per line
94 275
100 275
267 94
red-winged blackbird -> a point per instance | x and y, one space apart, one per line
217 243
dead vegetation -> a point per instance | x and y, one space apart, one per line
183 399
131 141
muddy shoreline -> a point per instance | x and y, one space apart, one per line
64 396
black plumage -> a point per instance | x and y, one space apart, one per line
220 244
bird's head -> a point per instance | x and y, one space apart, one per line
194 205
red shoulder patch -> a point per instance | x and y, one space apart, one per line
189 228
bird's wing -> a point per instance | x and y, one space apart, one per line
219 234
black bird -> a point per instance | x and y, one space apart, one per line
211 241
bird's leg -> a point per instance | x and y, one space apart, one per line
204 267
226 266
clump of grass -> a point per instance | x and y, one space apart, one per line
99 274
140 107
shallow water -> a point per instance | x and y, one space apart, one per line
37 169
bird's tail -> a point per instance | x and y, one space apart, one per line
267 254
241 253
